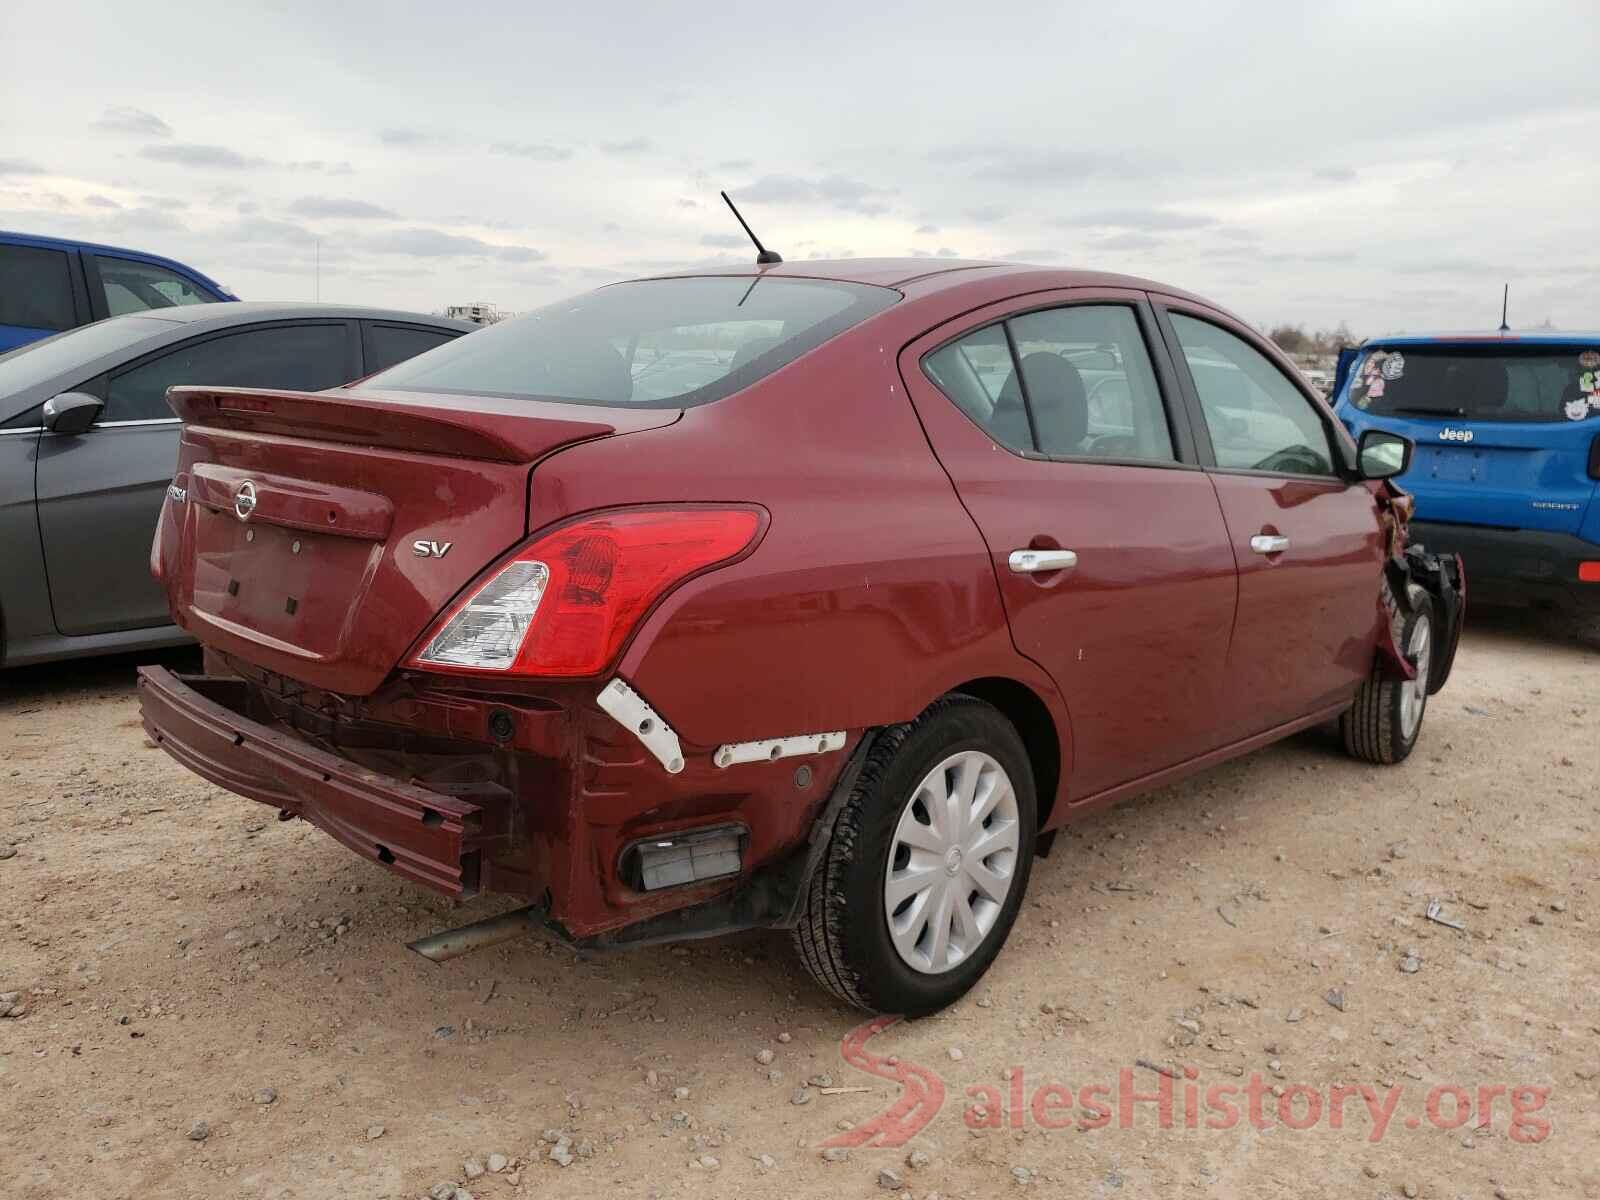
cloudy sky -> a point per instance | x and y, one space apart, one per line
1386 164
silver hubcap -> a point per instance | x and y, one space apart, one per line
952 862
1414 692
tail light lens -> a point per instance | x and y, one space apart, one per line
564 604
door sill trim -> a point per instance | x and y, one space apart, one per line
1166 775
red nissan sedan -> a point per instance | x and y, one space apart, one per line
808 596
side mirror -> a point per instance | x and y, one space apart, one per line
72 412
1382 454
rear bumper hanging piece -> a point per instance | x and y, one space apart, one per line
775 748
629 710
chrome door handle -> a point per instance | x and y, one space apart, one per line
1269 543
1031 562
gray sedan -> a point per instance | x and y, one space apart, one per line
88 447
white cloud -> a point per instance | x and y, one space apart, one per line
1257 160
124 119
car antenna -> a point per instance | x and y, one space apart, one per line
1505 304
763 255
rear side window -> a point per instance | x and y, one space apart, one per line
655 343
979 374
306 358
35 288
386 345
132 287
1080 384
1489 383
1258 420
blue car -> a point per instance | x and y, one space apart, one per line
1507 433
48 285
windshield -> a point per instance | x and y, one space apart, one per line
1487 383
36 362
663 343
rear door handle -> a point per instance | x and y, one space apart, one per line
1031 562
1269 543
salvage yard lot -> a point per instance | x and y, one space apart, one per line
182 956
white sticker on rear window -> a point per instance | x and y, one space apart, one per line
1394 366
1589 396
1368 383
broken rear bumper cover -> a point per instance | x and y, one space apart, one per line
561 825
201 721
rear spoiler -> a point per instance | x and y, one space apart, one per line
494 429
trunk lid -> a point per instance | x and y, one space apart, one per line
1511 476
319 534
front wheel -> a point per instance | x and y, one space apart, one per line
927 864
1384 721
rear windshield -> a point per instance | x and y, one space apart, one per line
1491 383
656 343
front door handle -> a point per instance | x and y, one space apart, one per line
1269 543
1032 562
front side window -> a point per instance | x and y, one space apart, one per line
132 287
652 343
303 358
1080 384
1257 418
1479 383
29 366
35 288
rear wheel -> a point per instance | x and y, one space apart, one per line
927 865
1384 721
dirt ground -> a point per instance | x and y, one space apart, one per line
182 956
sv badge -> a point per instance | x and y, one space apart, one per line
424 549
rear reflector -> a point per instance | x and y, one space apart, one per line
564 604
1589 572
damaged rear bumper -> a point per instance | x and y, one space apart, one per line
204 723
556 811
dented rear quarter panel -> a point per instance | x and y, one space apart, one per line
871 593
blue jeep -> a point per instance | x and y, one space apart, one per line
1507 433
48 285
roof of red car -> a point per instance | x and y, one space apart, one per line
933 274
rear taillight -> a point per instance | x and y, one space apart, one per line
564 604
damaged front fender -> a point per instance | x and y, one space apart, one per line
1408 569
1442 579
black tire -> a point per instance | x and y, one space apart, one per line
843 935
1374 726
